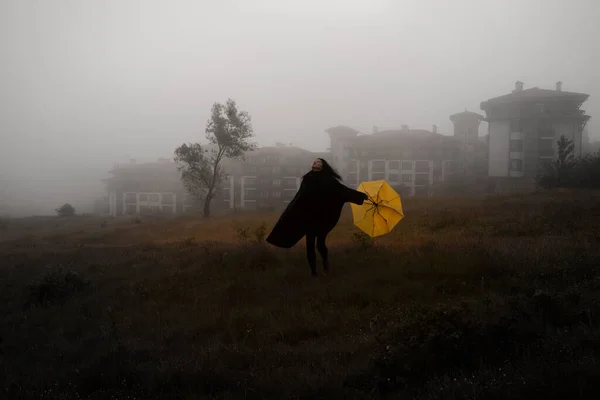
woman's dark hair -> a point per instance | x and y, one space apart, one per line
327 169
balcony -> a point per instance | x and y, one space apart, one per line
516 155
516 135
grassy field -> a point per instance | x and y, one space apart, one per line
493 298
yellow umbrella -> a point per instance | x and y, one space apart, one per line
381 212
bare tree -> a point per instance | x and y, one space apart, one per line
229 132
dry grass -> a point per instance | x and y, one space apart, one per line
473 299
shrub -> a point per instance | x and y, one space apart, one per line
66 210
56 285
566 171
252 235
362 240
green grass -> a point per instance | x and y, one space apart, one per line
493 298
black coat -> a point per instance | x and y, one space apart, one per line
315 209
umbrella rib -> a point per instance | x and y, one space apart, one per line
365 215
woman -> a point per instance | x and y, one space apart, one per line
314 212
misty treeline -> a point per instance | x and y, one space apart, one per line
229 133
568 171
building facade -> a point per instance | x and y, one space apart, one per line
153 188
524 127
414 161
267 178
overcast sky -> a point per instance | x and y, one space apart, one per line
92 82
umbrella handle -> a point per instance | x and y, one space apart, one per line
371 201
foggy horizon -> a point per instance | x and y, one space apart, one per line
85 85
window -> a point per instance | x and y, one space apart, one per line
421 179
469 139
516 145
515 125
167 198
143 197
130 197
422 166
277 194
539 107
546 147
516 165
394 177
407 165
544 125
377 176
406 177
394 165
276 182
290 193
276 170
378 166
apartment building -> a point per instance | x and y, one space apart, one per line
153 188
411 160
269 177
524 127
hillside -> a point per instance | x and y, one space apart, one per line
493 298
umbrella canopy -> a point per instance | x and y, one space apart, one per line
381 212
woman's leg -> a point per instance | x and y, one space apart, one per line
311 256
323 250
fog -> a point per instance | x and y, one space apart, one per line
86 84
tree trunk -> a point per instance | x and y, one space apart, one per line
206 209
211 188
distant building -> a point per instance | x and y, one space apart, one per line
412 160
466 133
268 178
150 188
524 127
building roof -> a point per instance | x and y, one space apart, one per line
404 133
278 150
534 93
162 164
342 130
466 115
